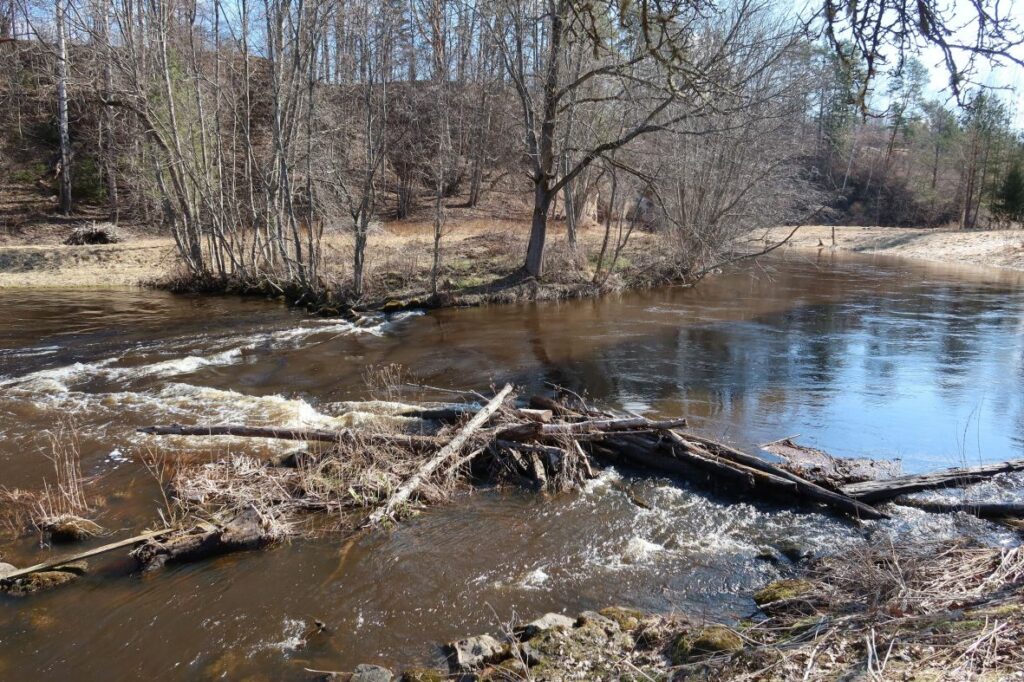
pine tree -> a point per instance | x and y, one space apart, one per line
1009 203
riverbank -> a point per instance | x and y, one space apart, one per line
936 612
991 248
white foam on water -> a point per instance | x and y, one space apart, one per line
639 549
293 630
535 579
57 379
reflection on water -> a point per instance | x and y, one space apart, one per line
859 356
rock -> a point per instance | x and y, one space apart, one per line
549 621
793 551
782 589
512 670
474 652
6 568
627 619
37 582
594 618
69 528
768 554
715 639
371 673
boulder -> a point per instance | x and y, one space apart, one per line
371 673
549 621
6 568
474 652
70 528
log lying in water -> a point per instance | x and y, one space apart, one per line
822 468
881 491
811 491
95 551
324 436
984 510
600 426
245 531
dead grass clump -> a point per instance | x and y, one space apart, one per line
63 503
948 611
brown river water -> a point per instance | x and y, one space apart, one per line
859 356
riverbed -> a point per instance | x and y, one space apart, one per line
857 355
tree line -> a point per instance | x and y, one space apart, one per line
251 128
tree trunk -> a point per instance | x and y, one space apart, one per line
538 229
64 174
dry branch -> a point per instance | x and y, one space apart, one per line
60 561
409 487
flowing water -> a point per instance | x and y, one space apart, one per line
859 356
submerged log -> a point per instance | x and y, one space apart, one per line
406 490
880 491
244 531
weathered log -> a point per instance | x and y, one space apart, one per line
708 470
71 558
406 490
984 510
340 436
244 531
822 468
702 459
879 491
538 430
838 501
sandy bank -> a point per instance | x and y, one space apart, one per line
56 266
993 248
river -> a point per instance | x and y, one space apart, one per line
859 356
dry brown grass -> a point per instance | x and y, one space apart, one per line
927 612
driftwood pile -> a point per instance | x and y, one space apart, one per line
402 455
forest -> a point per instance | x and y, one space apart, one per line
256 132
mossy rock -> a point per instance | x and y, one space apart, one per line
511 670
626 618
423 675
714 639
392 306
38 582
783 589
70 528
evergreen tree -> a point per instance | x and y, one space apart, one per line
1009 203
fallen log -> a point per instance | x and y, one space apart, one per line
983 510
590 426
812 491
822 468
406 490
690 462
240 430
244 531
95 551
880 491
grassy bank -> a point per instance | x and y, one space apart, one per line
992 248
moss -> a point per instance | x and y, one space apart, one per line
1002 611
627 619
423 675
783 589
37 582
715 639
511 670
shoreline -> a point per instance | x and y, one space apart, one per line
999 249
143 261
